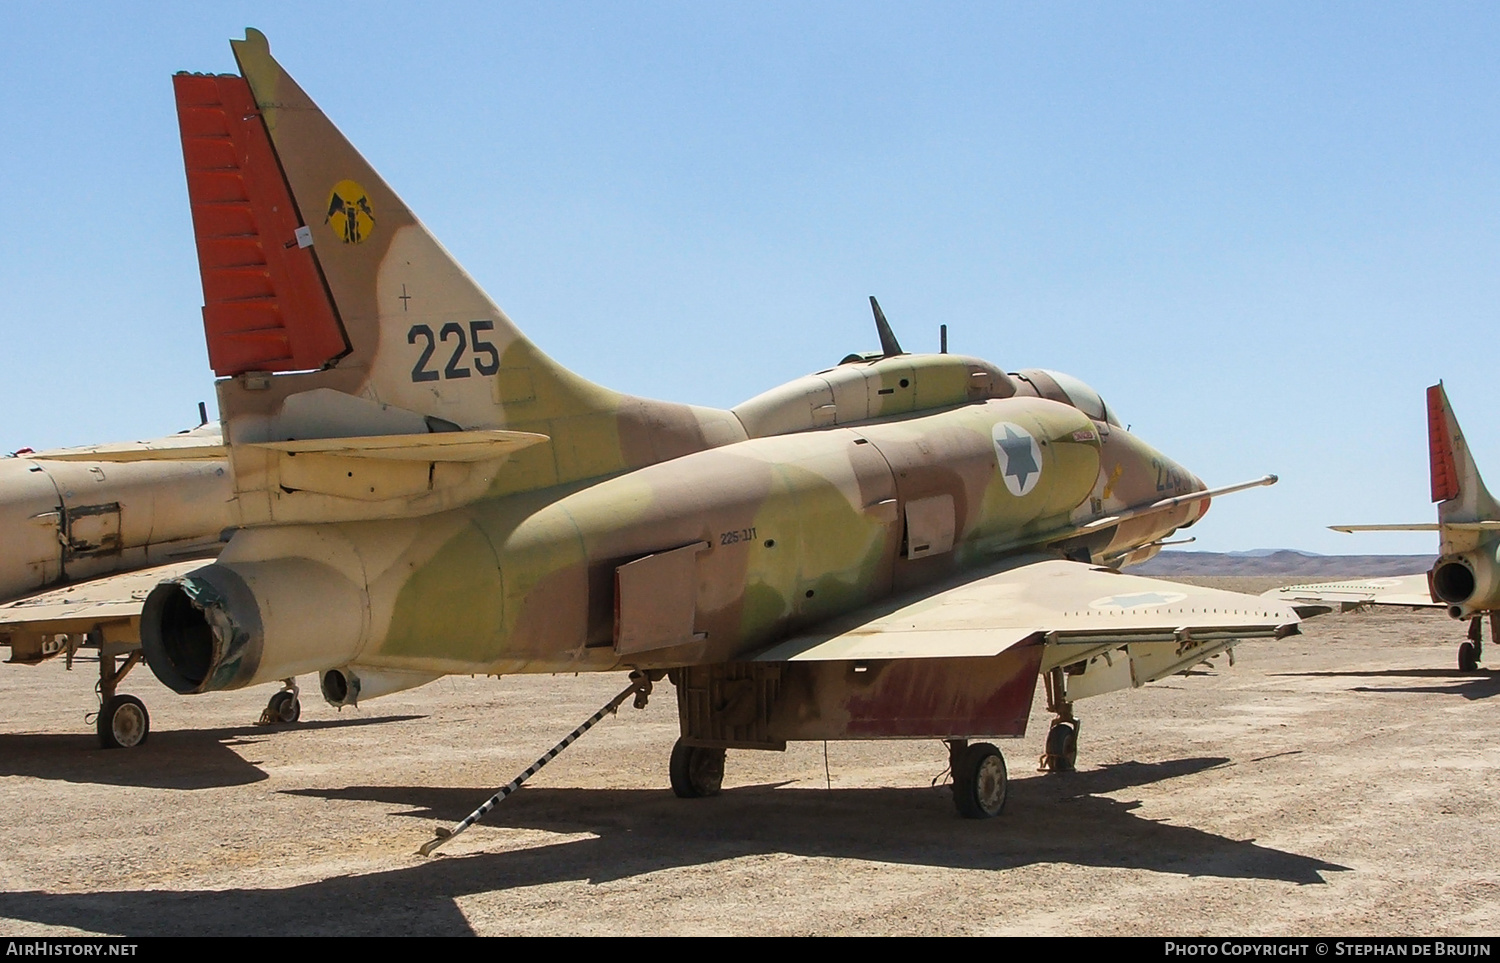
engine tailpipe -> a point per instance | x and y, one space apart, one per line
229 626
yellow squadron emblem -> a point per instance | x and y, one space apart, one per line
349 212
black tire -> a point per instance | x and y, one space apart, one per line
696 771
285 706
123 723
980 782
1468 657
1062 747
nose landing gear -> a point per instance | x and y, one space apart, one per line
1061 752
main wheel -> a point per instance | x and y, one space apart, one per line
1468 657
285 706
979 782
696 771
123 723
1062 747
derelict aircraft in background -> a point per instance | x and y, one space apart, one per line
896 547
74 515
1465 580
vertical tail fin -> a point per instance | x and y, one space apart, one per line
311 261
332 312
1456 486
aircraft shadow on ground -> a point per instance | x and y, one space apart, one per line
177 759
1470 685
639 831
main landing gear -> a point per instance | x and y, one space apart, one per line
123 722
696 771
1471 653
979 778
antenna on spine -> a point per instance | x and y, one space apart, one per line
889 346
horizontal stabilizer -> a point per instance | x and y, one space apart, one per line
1422 527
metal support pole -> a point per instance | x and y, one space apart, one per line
640 687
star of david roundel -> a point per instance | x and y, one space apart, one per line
1019 456
1137 600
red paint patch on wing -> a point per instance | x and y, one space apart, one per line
943 697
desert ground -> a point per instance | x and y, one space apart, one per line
1344 781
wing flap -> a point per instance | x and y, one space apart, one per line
85 607
1037 599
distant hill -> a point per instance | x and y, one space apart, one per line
1282 562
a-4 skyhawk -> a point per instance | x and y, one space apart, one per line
896 547
1465 580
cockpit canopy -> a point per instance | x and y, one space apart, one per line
1056 386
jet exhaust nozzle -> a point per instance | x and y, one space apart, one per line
201 632
208 630
1467 583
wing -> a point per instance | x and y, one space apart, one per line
110 607
1110 630
1409 590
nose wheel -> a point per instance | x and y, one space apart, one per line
1061 751
1061 754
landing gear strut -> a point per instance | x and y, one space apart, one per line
123 722
1061 753
285 707
979 778
1471 653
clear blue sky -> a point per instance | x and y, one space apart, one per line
1259 229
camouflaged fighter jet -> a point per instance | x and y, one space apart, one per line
896 547
1465 580
71 517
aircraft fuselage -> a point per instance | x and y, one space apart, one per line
700 559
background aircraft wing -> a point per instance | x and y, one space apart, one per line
1311 599
113 602
1076 609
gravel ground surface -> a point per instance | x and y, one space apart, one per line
1340 782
